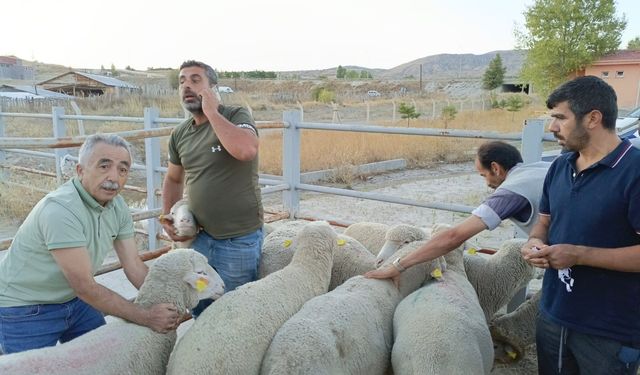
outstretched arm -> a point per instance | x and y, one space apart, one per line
439 245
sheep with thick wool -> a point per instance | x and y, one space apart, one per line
181 277
370 235
232 335
498 277
345 331
351 258
440 328
276 247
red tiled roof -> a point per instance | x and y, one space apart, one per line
622 56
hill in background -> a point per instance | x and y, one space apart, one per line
436 67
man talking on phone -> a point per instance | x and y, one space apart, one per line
215 154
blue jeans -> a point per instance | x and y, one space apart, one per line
581 353
235 259
37 326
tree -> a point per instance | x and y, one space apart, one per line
408 112
565 36
341 71
352 74
634 43
449 112
173 77
513 104
494 75
114 72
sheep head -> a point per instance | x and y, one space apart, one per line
396 237
182 219
182 277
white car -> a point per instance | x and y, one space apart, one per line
627 126
225 89
373 93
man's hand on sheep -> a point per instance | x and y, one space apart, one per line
162 317
387 272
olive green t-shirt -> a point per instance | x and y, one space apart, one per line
224 194
66 217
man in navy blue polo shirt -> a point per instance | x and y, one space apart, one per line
588 239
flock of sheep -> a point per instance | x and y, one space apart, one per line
311 312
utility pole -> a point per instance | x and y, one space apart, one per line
420 78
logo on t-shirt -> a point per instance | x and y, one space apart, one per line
216 148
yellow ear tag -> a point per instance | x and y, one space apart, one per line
341 242
287 243
513 355
201 284
436 274
472 251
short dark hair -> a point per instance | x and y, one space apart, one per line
500 152
208 70
585 94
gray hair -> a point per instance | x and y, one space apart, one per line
111 139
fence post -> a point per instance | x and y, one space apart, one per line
368 110
154 182
291 162
59 131
532 135
393 118
2 153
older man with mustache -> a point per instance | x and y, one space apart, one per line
215 153
47 290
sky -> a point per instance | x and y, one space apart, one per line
276 35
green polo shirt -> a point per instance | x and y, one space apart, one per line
66 217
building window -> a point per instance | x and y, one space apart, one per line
605 74
620 74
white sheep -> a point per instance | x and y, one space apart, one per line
183 222
397 236
276 247
180 277
440 328
345 331
370 235
232 335
498 277
514 331
351 258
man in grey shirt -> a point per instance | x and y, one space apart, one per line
518 191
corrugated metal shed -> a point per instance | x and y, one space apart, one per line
109 81
87 84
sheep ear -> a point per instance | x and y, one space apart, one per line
198 281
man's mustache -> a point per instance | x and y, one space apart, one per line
110 185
